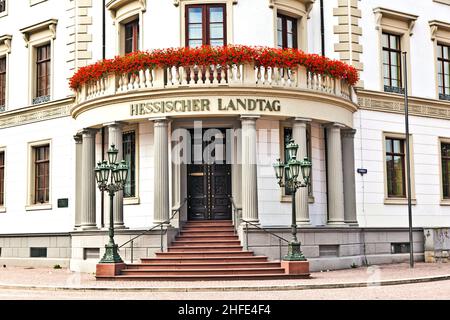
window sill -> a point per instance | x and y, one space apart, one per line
288 199
401 201
445 202
2 209
37 207
131 201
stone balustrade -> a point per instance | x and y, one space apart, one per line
245 75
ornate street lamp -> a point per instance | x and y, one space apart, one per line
292 180
111 177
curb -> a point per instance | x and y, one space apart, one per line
234 288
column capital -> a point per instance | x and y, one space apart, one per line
159 119
302 120
250 117
348 133
334 125
88 131
114 124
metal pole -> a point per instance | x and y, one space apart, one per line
111 218
294 217
162 248
408 162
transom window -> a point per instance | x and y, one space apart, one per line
444 71
286 32
131 36
392 66
445 154
2 83
395 166
129 155
43 72
41 174
205 25
2 178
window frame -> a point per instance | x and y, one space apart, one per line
47 62
3 180
135 199
399 200
284 19
397 51
31 205
393 154
206 39
135 30
444 200
4 12
288 125
3 83
445 95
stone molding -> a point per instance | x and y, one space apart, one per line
5 41
48 25
376 101
53 110
176 3
382 13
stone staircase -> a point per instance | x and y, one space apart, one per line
205 250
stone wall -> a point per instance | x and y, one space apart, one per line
437 244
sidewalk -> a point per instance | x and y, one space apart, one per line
63 279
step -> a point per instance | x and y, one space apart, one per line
196 237
203 260
205 278
200 254
201 243
207 233
208 224
207 228
204 248
209 265
204 272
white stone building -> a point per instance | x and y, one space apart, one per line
52 213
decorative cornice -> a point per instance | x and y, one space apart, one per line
45 25
5 40
436 25
307 3
380 12
393 103
114 5
48 111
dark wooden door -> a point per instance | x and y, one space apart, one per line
209 186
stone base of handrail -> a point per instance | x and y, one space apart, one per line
109 269
295 267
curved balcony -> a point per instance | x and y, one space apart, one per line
300 92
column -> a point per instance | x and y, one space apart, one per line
335 176
88 184
348 159
161 171
115 137
78 174
249 170
301 196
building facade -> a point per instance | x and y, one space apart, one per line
51 136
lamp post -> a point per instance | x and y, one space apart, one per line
293 181
111 177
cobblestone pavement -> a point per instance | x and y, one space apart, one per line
419 291
371 274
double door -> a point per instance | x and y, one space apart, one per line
209 178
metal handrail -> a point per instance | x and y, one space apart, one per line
160 225
235 210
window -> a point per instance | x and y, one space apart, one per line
205 25
41 174
129 155
392 68
2 6
286 32
43 72
395 166
38 252
287 136
443 54
131 36
2 178
445 154
2 83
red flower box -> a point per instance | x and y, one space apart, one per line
206 55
